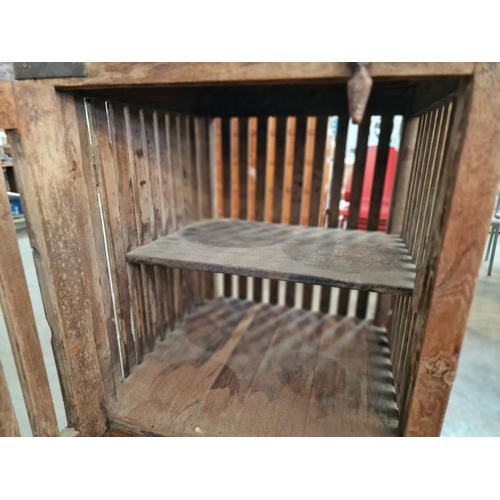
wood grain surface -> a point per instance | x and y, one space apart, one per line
239 369
352 259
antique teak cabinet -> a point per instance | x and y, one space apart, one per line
184 222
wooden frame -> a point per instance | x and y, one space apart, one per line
57 182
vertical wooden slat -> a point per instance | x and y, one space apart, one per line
305 198
423 171
335 195
251 160
148 217
194 193
47 155
219 190
8 421
399 195
120 132
260 188
101 300
269 194
245 284
287 190
279 177
164 225
144 215
378 184
226 185
356 193
429 213
204 185
106 179
21 328
234 152
338 171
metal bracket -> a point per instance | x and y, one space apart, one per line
36 70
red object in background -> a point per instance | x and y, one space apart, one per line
367 189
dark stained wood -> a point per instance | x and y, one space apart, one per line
338 171
358 178
8 420
399 194
428 95
355 259
237 370
47 154
21 327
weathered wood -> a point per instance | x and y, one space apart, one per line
358 178
20 322
107 180
101 300
472 176
331 257
378 184
351 351
399 194
8 421
48 159
111 74
266 371
8 116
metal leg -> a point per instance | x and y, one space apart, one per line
495 229
490 240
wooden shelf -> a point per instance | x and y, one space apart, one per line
236 368
355 259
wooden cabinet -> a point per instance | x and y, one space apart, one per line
185 217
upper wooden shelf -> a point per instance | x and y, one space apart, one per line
355 259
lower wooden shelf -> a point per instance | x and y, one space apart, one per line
236 368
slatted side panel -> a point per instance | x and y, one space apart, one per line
151 171
425 187
272 169
25 343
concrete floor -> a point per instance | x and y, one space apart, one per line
474 408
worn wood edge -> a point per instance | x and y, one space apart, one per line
122 428
460 258
87 414
137 257
109 74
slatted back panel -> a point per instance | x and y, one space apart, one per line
25 343
272 169
289 170
151 172
426 186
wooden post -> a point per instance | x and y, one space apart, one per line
46 150
463 235
21 327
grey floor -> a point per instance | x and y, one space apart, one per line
474 408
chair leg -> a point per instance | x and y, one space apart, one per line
496 230
490 240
